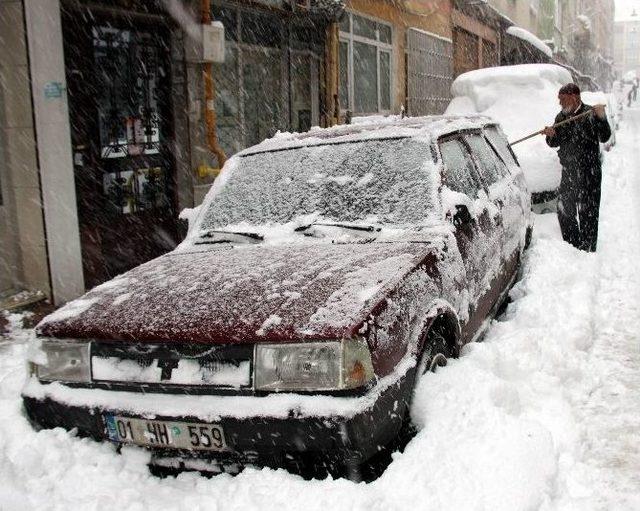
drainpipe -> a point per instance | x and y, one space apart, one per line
332 78
209 94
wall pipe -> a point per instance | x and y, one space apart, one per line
209 94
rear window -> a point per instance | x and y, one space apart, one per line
390 181
500 144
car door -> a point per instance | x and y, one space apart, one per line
477 233
495 180
515 196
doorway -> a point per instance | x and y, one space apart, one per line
119 81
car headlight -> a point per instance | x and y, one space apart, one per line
66 360
332 365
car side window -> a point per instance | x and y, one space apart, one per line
490 167
501 146
459 173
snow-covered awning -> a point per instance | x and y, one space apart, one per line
527 36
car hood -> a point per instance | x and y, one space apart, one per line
242 294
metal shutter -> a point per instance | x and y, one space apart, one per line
429 72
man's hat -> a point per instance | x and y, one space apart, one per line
570 88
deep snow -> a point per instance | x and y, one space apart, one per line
541 415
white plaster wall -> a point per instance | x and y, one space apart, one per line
23 254
44 35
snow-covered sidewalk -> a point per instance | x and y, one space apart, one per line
543 414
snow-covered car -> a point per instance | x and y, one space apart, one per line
523 99
324 275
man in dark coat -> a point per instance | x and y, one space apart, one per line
579 153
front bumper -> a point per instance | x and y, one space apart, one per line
257 440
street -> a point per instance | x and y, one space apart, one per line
542 414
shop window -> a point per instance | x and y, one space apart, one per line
229 18
261 30
365 65
365 84
385 33
344 74
345 23
364 27
385 81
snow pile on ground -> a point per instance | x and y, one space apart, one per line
524 99
525 35
541 415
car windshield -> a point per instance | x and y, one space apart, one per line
390 181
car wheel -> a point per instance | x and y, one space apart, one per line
434 355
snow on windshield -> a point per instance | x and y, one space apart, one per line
389 181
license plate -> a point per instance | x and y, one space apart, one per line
156 433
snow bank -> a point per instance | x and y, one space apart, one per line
525 35
523 99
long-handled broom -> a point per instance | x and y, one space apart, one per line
566 121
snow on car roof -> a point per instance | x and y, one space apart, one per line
524 99
519 76
374 128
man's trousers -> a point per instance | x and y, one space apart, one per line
579 212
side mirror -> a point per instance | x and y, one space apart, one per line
462 216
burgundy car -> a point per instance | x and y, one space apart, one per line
324 274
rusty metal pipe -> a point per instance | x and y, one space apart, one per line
209 96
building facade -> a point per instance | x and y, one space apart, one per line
392 55
627 47
584 38
105 132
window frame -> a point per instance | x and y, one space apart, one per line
459 136
381 47
495 149
480 164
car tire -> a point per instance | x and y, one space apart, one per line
434 355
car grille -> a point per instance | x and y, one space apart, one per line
180 368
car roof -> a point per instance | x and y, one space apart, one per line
375 128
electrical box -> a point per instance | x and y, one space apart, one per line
207 46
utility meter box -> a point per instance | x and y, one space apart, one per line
208 46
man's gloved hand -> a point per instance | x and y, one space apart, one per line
599 111
548 131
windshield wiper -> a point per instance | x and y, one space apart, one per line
365 228
212 233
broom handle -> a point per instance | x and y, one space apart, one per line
566 121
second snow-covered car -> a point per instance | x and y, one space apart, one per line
323 276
